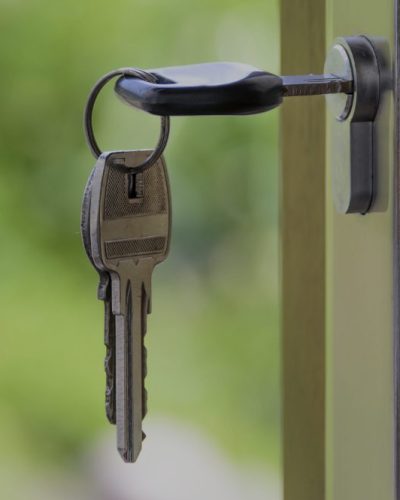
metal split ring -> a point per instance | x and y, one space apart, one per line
88 116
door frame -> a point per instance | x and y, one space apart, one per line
302 203
314 429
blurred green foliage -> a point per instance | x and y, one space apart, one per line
213 336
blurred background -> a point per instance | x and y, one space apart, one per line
213 338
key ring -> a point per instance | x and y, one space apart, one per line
88 116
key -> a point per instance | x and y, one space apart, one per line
104 294
222 88
130 221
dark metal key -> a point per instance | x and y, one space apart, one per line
130 223
104 294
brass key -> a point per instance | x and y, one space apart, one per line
130 231
104 294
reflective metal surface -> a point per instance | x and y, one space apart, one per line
352 123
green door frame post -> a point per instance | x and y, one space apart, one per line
303 256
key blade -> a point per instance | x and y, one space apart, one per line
129 359
302 85
104 288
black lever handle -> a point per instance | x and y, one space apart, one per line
220 89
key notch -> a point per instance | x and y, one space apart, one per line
135 186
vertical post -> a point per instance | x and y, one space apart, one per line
362 293
303 256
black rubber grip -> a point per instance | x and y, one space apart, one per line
203 89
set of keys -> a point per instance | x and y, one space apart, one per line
126 215
126 230
125 227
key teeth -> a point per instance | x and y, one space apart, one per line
110 396
103 289
144 362
110 399
144 403
109 342
109 368
110 407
